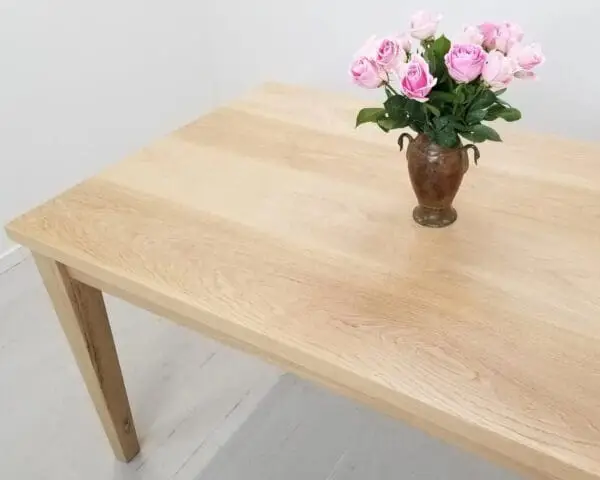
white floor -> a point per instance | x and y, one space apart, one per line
188 394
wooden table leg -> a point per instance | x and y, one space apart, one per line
83 317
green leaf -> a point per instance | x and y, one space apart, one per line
432 109
445 82
442 122
502 102
494 112
427 43
418 128
396 106
471 90
475 116
429 130
449 121
500 111
442 97
443 132
473 137
369 115
459 125
402 123
484 100
488 132
500 92
510 114
441 46
434 54
416 111
446 138
428 54
433 62
387 124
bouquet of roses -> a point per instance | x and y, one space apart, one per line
445 89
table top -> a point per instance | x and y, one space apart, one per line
276 223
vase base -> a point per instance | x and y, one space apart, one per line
430 217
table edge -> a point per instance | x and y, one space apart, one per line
475 438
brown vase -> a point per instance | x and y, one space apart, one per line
436 174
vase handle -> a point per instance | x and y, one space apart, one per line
401 140
476 153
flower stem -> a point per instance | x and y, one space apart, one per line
393 90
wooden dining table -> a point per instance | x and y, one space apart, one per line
273 225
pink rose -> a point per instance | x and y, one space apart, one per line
389 54
472 35
405 42
423 25
527 57
508 35
366 73
525 75
368 49
498 70
465 62
415 80
489 31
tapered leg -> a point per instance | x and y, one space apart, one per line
83 317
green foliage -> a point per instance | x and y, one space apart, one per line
444 131
500 111
511 114
475 116
441 46
480 133
395 106
369 115
432 109
438 97
434 54
396 115
488 133
484 99
460 94
452 111
416 115
472 137
494 112
387 123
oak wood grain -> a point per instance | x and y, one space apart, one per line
283 362
274 224
82 314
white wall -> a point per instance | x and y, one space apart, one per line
84 83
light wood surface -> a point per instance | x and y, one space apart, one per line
381 404
276 225
82 314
